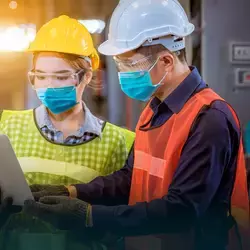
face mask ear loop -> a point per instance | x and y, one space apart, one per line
154 64
153 67
160 83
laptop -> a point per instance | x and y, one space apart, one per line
12 179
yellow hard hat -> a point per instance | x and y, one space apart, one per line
65 35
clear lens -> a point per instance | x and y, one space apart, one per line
136 63
53 80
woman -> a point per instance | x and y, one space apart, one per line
61 142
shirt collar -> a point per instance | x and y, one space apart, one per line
176 100
91 123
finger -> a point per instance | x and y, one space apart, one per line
33 205
36 187
29 204
7 202
51 200
38 195
8 207
38 209
30 207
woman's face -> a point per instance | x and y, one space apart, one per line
54 72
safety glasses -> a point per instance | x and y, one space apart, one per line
135 63
54 80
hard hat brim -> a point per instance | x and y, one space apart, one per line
109 49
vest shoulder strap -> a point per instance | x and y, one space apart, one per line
5 114
128 135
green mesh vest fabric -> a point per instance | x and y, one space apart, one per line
44 162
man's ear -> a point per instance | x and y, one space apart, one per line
167 60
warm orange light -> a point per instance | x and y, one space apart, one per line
16 38
13 5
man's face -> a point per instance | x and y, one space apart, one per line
141 60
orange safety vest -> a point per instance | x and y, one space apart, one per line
158 151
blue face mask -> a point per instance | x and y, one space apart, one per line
58 100
138 84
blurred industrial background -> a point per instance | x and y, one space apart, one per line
220 48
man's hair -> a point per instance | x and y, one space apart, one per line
155 49
182 55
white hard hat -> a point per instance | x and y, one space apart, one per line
135 22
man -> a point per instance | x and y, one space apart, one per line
186 174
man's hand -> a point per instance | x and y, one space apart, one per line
40 191
62 212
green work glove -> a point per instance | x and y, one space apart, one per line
62 212
40 191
